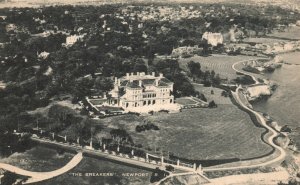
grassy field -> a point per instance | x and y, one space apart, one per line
45 159
109 108
221 64
263 40
290 33
97 101
91 165
216 96
38 159
186 101
198 133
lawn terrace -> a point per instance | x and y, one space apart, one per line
199 134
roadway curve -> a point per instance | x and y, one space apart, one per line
41 176
244 72
263 123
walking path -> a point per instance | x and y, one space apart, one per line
246 177
244 72
262 121
41 176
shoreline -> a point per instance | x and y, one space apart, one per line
260 120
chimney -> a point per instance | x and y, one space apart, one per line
156 82
153 73
131 74
127 75
116 80
138 73
140 83
161 75
119 82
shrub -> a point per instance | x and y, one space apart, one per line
170 168
212 104
148 126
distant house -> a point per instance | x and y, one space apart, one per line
143 93
72 39
213 38
10 27
43 55
2 85
3 17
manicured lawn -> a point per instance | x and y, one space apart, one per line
109 108
97 102
262 40
221 64
220 133
216 96
46 159
185 101
291 33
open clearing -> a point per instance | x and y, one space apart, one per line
198 133
263 40
221 64
216 96
290 33
186 101
97 101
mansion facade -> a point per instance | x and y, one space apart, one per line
142 92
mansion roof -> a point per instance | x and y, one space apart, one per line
141 80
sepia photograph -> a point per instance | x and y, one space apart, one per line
150 92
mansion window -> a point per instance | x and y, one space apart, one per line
149 95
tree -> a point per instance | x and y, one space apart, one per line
82 88
103 84
120 135
100 136
182 87
217 80
212 74
212 104
195 68
140 68
170 168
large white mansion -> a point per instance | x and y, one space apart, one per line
142 92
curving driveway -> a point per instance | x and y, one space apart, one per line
263 123
244 72
269 141
40 176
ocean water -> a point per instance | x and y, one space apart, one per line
284 105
